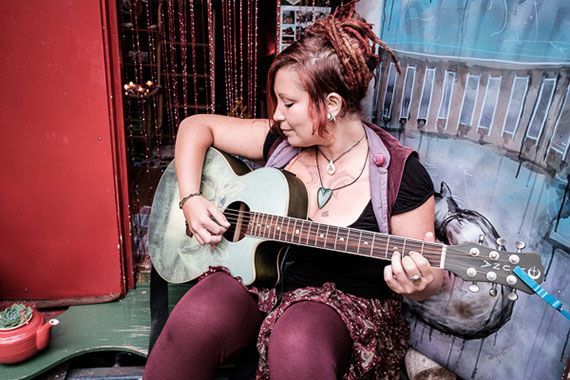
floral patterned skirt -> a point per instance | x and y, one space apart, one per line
378 332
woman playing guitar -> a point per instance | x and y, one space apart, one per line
332 315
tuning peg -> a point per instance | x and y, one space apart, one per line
513 296
501 243
493 291
474 288
519 245
481 238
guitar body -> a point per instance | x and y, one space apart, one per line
227 183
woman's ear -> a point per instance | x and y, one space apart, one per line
334 104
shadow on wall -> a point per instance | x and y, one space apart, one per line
455 310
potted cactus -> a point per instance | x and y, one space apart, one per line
15 316
22 333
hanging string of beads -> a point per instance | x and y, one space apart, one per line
211 55
193 48
183 54
166 69
240 56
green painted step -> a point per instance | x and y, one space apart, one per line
122 325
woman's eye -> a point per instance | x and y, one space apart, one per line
289 105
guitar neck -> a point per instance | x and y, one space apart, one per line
341 239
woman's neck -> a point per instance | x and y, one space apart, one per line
346 132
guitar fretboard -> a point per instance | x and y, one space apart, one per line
341 239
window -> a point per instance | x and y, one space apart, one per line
561 136
469 100
541 108
515 107
446 96
389 94
427 91
489 104
408 92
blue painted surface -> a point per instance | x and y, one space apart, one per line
522 203
511 30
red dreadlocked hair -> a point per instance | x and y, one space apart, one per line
335 55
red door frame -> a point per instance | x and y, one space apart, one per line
64 219
109 23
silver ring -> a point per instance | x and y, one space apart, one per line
416 279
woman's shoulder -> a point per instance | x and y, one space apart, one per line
271 140
415 188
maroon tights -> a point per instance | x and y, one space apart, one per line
217 320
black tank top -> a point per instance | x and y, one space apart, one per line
357 275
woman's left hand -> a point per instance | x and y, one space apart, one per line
412 275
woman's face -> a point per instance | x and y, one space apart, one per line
292 109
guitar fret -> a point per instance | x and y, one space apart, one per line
287 231
317 234
276 227
263 226
404 248
259 229
301 230
347 240
267 228
359 240
372 245
280 227
294 231
256 226
309 233
272 226
387 246
326 237
335 238
253 223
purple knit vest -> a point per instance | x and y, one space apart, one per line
384 180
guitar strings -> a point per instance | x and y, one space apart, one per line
429 249
381 239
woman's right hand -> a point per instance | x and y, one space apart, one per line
205 221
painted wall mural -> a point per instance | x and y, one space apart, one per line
484 96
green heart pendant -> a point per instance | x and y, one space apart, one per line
323 196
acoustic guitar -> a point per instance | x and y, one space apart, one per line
267 209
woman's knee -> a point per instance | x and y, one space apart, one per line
309 337
215 307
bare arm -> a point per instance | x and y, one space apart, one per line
242 137
417 224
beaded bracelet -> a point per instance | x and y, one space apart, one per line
183 200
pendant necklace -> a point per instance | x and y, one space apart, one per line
331 169
324 194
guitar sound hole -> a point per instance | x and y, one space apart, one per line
237 214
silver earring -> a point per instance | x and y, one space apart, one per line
331 117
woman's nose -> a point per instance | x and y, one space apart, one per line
277 115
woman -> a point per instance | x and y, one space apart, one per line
334 315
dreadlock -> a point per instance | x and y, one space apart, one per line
349 34
335 55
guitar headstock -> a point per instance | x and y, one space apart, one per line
474 262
